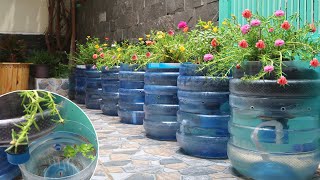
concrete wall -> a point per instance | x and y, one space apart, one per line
23 16
126 19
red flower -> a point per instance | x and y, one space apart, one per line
285 25
282 81
185 29
148 54
247 14
214 42
102 55
238 66
134 57
314 62
260 45
95 56
271 29
313 28
171 32
243 43
148 43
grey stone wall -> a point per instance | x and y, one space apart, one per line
127 19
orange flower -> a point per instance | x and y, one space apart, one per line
95 56
102 55
148 43
134 57
148 54
185 29
285 25
313 28
282 81
247 14
214 42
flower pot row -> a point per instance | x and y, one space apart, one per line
272 128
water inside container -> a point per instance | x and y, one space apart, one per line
48 161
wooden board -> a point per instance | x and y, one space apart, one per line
14 76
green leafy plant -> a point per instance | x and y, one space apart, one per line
269 40
87 150
33 103
42 57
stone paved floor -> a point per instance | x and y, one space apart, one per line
125 153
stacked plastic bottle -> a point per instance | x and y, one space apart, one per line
110 90
131 94
203 113
275 130
161 101
93 87
80 80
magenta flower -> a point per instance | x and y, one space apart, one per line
245 29
268 68
279 13
279 42
182 24
208 57
255 22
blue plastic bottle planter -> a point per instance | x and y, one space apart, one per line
110 90
275 131
161 101
131 94
93 87
72 84
203 114
19 158
80 80
7 170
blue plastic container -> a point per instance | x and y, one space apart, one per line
110 90
20 158
131 94
203 113
161 101
275 131
93 87
80 82
7 170
72 85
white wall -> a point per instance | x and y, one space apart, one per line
23 16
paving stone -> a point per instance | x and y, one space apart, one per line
160 151
140 162
119 157
221 176
169 161
168 176
120 176
177 166
114 169
204 177
117 163
141 177
197 171
143 168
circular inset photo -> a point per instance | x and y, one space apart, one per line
45 136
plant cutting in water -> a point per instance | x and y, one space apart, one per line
33 103
85 149
271 40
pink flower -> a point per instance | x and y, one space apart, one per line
268 68
279 42
207 57
100 49
95 56
314 62
279 13
271 29
247 14
102 55
171 32
182 24
260 44
245 29
243 43
106 68
313 28
255 22
94 67
285 25
282 81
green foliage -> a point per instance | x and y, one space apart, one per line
43 57
12 48
87 150
298 43
33 103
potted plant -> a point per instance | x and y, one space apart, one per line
274 95
14 74
167 51
109 64
86 59
42 61
203 113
